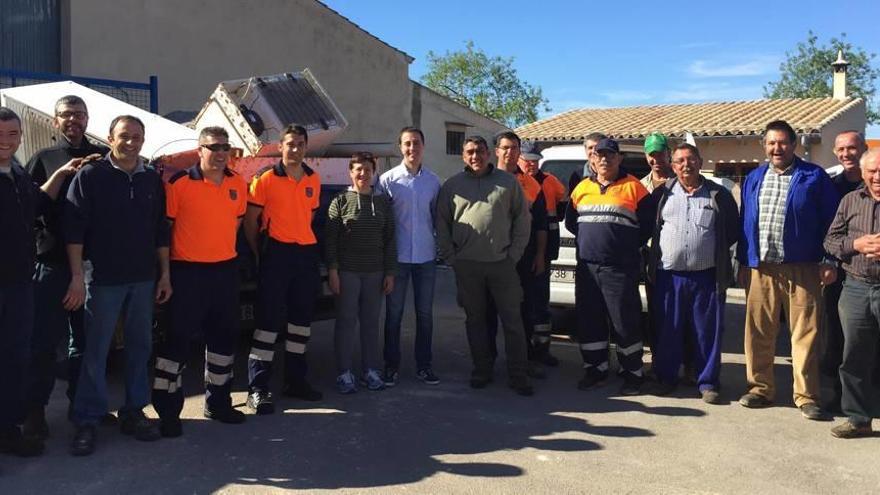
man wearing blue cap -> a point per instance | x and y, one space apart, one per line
613 215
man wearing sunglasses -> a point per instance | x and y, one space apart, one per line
205 204
53 323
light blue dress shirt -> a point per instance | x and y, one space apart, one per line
413 199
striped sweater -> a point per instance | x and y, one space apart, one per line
359 235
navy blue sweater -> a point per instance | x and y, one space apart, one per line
120 220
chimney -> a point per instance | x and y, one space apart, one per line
839 84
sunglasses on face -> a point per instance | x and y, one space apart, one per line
217 146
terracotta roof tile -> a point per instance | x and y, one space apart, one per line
806 115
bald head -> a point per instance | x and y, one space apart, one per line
848 148
870 164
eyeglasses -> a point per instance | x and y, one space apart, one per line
217 146
690 161
78 115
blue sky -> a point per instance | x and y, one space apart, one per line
637 53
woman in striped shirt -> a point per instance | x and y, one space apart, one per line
361 260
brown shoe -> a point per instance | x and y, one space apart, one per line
848 429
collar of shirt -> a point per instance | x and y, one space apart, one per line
195 172
281 171
139 167
405 170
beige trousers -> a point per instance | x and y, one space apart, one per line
794 288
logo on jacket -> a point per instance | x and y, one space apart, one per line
233 194
310 192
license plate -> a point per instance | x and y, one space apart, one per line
562 275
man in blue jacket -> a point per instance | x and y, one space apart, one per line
787 205
115 218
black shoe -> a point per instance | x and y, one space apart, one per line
632 384
813 412
228 415
84 440
427 376
390 376
481 380
15 443
661 389
522 386
534 370
260 402
35 425
592 378
689 378
109 419
754 401
170 428
302 391
136 424
548 359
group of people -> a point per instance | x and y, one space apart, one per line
95 238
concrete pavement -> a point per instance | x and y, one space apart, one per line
416 438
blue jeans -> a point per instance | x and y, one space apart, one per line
423 275
104 304
52 325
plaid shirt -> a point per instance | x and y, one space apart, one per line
771 214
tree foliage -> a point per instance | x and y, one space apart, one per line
488 85
807 73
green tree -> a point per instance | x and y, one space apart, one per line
806 72
488 85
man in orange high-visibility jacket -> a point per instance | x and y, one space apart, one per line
554 195
613 215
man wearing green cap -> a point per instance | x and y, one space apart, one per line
657 155
659 158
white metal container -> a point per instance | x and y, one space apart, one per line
255 111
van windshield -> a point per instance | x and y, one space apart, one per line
562 169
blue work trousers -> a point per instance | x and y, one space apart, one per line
289 282
203 308
687 306
608 306
16 324
52 325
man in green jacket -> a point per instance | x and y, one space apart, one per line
482 226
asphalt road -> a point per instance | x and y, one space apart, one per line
417 438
